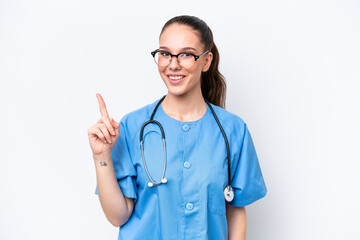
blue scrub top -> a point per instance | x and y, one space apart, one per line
191 205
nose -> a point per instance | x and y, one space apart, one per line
174 63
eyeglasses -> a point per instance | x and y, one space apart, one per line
185 59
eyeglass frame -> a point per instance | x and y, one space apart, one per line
196 57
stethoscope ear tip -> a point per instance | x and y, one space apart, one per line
163 180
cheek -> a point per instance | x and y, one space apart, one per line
198 66
196 71
162 74
161 69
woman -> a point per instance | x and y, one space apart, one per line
181 189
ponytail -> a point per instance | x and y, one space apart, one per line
213 85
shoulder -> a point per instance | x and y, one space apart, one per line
132 121
230 121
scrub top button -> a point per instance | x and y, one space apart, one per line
187 164
186 127
189 206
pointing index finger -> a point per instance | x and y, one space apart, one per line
102 105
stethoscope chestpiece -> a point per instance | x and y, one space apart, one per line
229 193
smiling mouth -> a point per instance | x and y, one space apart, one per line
176 77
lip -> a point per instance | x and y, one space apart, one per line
175 81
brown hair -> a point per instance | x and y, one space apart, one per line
213 85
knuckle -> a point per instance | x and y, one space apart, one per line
90 130
105 130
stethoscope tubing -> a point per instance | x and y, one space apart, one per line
226 141
228 192
146 169
162 180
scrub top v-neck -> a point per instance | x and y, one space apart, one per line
191 204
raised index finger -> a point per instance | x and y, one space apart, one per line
102 105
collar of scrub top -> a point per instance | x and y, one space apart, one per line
228 191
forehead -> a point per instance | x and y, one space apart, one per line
176 37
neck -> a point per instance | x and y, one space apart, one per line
184 108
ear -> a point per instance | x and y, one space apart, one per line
208 60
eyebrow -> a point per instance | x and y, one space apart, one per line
183 49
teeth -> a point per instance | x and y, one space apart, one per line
175 77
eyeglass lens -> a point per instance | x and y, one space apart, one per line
185 60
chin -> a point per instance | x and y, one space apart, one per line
176 92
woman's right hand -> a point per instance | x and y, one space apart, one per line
104 133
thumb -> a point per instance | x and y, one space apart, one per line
115 124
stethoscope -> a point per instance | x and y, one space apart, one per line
228 191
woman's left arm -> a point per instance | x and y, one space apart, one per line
236 219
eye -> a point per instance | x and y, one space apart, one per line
186 55
164 54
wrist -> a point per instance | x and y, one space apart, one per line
103 156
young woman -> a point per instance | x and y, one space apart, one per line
189 171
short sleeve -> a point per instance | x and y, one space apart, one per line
247 181
124 169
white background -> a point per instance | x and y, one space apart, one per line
293 72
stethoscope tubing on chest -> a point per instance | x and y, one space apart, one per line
228 191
